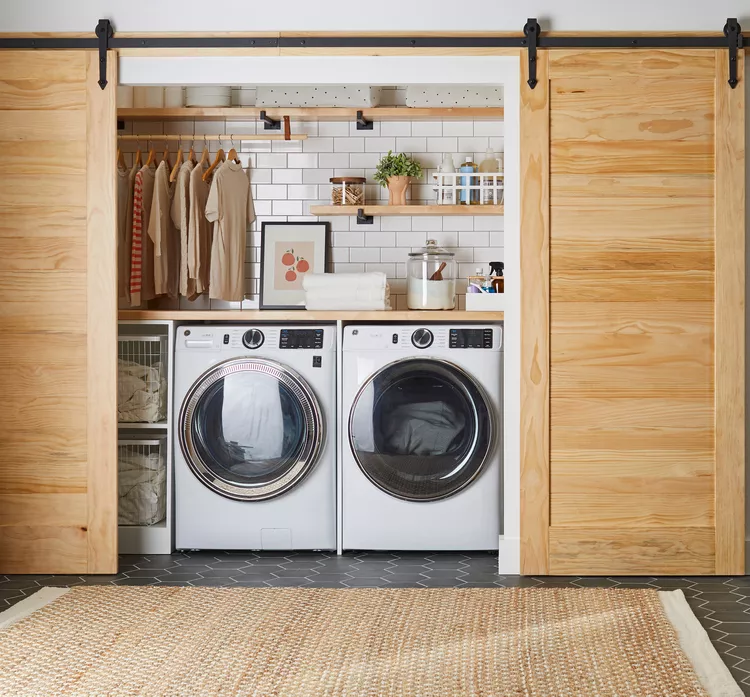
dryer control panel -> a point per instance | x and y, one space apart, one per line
425 338
257 338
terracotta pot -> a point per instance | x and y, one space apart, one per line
397 190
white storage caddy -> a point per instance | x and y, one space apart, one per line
454 187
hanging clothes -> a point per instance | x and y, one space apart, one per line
200 231
181 219
230 208
142 249
164 235
124 205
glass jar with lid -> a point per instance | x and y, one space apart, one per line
431 278
348 191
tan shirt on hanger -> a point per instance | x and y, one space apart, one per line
181 219
164 235
145 247
230 208
200 233
125 183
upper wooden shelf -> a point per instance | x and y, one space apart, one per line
314 114
311 316
415 209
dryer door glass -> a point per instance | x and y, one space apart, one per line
420 429
250 429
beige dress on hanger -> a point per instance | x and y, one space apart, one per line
200 230
142 249
230 208
164 235
124 201
181 219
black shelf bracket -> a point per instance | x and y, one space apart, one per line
269 124
362 123
103 34
733 32
363 219
531 31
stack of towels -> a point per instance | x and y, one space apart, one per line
346 291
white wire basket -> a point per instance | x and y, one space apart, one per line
142 379
461 188
141 481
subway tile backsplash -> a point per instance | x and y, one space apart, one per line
288 178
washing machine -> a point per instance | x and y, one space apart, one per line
422 447
255 414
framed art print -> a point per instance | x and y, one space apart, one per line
287 252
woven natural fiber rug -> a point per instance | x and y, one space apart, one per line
357 643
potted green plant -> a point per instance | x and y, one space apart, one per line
395 171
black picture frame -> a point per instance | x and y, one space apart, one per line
265 232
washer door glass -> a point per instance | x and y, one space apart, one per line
250 429
420 429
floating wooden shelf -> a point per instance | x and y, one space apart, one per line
416 209
314 114
226 137
309 316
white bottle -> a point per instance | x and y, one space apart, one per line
489 165
447 166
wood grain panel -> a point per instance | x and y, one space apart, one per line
42 253
56 189
627 439
41 286
41 157
607 471
42 67
33 94
41 220
635 413
35 549
654 509
535 221
631 157
634 286
42 125
637 551
19 317
589 187
67 477
572 257
730 321
687 65
50 509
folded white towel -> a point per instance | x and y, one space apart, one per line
347 304
344 282
363 294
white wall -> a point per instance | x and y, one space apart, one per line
316 15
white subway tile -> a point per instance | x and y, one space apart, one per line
375 131
498 144
261 176
310 128
302 160
395 128
442 145
458 128
374 226
252 145
458 222
364 254
466 269
394 254
364 160
427 128
476 238
302 191
287 176
298 219
489 222
349 238
411 238
497 238
485 255
287 146
395 223
272 191
239 128
317 145
412 144
331 160
349 144
382 145
333 128
324 192
489 128
447 239
473 144
316 176
287 207
262 207
337 223
340 255
349 268
388 269
429 223
379 238
430 160
461 253
273 161
401 270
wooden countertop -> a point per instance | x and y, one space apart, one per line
308 316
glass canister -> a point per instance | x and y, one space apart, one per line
431 278
348 191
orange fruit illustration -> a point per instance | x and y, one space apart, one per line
290 275
303 266
287 259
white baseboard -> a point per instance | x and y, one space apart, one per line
509 556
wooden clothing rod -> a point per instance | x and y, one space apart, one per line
198 138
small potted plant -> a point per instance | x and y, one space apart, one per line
395 171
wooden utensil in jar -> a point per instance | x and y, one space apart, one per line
438 275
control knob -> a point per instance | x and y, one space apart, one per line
253 338
422 338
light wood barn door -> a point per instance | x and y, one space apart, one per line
58 314
646 258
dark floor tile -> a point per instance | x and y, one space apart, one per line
408 568
12 593
490 576
329 578
371 573
269 561
740 653
480 584
200 558
216 582
402 584
61 581
16 585
442 573
250 582
301 565
227 564
219 573
595 583
668 583
102 580
189 569
256 570
373 556
734 627
132 558
713 597
448 557
290 573
25 577
713 588
236 556
734 615
136 582
364 583
404 578
146 573
442 583
179 578
287 582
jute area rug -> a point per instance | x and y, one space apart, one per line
296 642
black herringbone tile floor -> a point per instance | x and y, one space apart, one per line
721 604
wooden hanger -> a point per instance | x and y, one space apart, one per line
165 156
121 160
219 158
151 156
177 164
233 153
204 156
138 158
191 155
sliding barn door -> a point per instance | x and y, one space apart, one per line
645 374
58 314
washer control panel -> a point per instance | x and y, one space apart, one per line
252 338
429 338
239 340
470 338
301 339
422 338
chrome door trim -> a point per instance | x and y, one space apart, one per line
463 375
313 438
